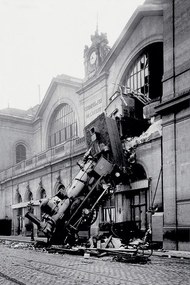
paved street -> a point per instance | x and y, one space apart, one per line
26 266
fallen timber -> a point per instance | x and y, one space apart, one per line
121 254
133 255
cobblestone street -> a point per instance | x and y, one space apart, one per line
26 266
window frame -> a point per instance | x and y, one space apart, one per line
135 74
63 126
19 154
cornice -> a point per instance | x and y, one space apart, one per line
68 80
174 102
92 82
63 80
15 119
140 12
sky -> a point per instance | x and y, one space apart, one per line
40 39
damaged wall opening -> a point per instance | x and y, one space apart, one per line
145 74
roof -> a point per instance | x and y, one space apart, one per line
33 112
19 113
149 8
63 79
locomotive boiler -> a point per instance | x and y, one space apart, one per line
76 207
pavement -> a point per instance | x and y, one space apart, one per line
160 253
21 264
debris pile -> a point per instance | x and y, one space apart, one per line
155 130
135 252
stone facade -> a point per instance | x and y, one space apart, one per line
163 156
175 112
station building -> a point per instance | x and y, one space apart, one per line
150 64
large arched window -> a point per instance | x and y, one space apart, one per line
20 153
63 126
145 74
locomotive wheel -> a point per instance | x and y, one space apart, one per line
87 218
93 216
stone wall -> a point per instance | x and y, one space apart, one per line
13 132
175 114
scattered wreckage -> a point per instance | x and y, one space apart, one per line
76 207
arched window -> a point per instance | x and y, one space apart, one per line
18 198
20 153
145 74
30 196
138 172
43 193
63 126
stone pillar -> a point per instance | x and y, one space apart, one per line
169 183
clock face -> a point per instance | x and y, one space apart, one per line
93 57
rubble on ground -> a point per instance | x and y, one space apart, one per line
108 247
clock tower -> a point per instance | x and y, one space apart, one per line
95 54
